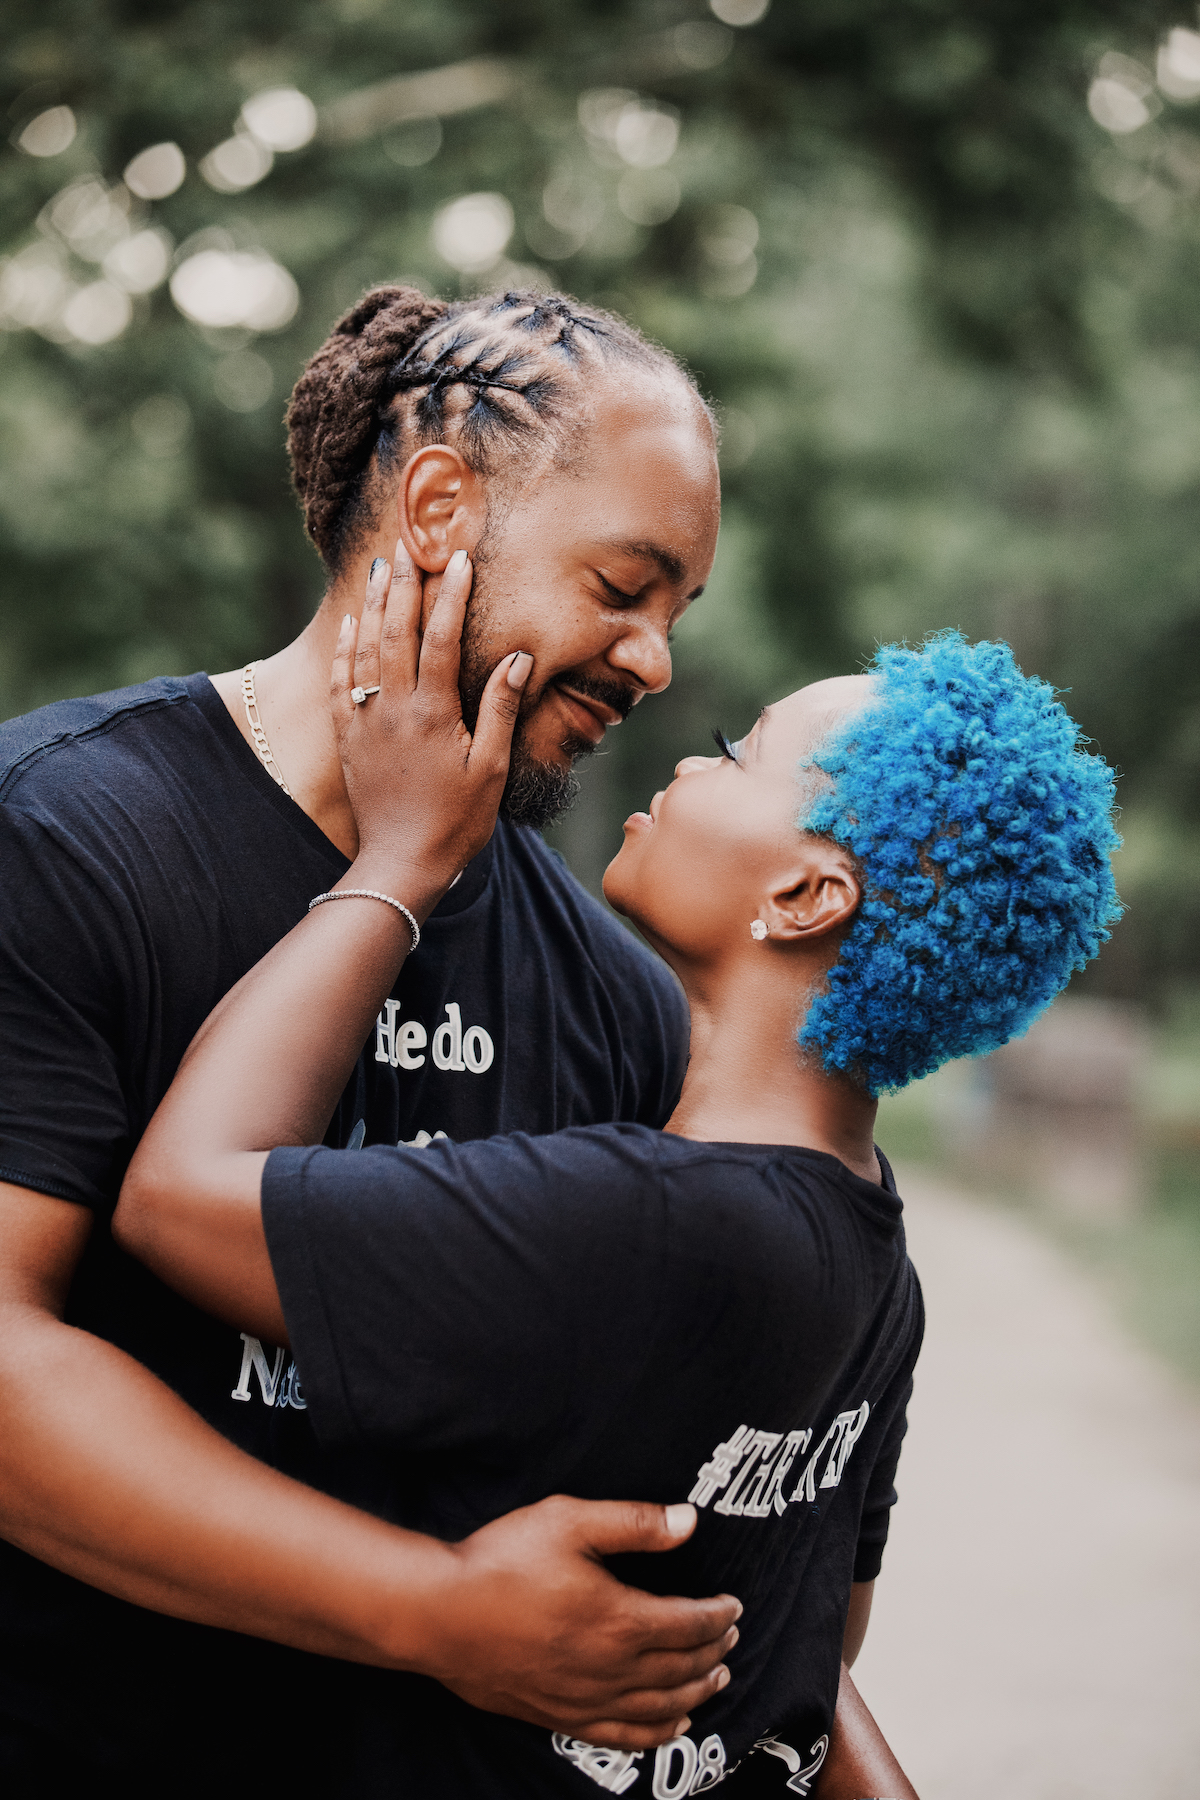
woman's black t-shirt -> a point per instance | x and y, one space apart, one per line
612 1311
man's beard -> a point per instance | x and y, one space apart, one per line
536 793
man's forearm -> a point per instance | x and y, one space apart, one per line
860 1764
107 1475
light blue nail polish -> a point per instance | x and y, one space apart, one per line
375 567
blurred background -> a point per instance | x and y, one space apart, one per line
937 265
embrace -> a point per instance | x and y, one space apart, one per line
449 1349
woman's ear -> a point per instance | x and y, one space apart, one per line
820 893
440 507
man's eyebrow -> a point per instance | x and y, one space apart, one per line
645 550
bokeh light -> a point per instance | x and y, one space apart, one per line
573 204
97 313
281 118
1122 96
223 288
414 143
623 128
139 263
156 171
740 12
88 216
236 164
50 133
33 287
472 233
244 381
648 196
727 241
700 44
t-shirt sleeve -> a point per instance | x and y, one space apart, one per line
65 961
881 1495
481 1295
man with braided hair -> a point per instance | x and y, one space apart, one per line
525 388
173 1611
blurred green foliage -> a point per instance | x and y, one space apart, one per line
960 366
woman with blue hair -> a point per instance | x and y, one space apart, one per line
889 870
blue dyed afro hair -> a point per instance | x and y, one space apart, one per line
983 832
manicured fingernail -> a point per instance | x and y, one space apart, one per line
376 567
457 562
344 633
680 1519
683 1725
518 675
722 1677
740 1610
733 1635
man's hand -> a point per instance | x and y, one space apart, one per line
108 1476
540 1630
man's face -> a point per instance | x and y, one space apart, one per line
588 570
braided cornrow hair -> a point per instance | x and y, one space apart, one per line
400 370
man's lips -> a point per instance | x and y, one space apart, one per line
589 717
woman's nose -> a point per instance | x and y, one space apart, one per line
692 765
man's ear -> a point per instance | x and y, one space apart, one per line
440 507
820 893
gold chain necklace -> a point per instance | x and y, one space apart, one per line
256 729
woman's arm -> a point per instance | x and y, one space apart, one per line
860 1765
190 1204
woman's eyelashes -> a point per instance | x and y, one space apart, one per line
723 744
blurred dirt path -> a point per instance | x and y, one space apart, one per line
1036 1631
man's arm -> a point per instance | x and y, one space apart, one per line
107 1475
859 1766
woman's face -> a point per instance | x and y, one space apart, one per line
697 868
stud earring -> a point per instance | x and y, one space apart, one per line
758 930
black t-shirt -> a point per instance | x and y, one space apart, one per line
616 1311
148 861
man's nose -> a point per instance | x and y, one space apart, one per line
642 651
693 765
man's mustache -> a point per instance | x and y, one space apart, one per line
617 694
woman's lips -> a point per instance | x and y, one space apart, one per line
644 821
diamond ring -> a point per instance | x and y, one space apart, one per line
359 694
